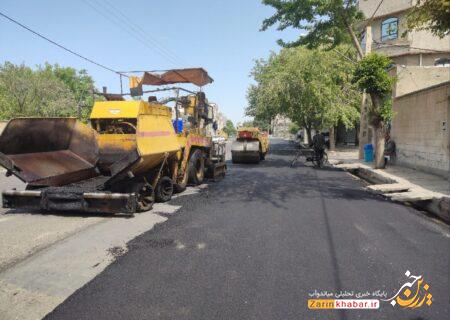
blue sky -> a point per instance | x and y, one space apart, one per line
221 36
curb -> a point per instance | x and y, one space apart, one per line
398 191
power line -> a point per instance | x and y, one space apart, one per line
145 34
374 13
118 22
61 46
344 56
124 25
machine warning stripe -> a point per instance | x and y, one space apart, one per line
153 133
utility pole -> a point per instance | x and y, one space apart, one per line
364 119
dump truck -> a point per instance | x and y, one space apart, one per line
131 155
251 145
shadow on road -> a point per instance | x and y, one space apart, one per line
274 181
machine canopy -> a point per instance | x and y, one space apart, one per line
197 76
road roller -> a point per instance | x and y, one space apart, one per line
251 145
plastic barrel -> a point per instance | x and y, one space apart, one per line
178 125
368 152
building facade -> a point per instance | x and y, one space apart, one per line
421 64
420 59
280 126
391 37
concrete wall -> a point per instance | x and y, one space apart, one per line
413 43
424 59
368 7
404 50
420 129
413 78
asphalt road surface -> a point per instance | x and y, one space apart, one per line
258 244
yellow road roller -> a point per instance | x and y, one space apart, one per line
131 155
251 145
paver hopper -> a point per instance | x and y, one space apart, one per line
70 166
49 152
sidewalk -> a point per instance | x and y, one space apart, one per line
398 183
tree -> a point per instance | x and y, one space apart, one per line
311 87
26 93
229 128
249 123
293 128
79 82
432 15
371 75
329 23
262 124
49 91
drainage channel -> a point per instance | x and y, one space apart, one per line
434 208
369 177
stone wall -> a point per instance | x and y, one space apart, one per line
420 129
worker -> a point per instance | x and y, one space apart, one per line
318 144
389 149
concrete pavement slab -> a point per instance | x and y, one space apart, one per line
38 284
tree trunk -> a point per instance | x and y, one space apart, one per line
332 139
379 131
309 135
379 147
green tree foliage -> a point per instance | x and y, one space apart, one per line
27 93
229 128
432 15
328 23
371 74
262 124
293 128
311 87
249 123
49 91
79 83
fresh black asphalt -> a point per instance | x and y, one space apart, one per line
256 244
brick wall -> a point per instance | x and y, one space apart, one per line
420 129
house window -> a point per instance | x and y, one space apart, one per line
389 29
442 62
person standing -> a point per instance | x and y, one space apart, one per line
389 149
318 144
